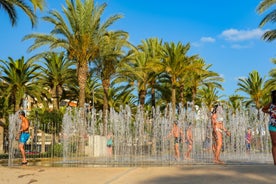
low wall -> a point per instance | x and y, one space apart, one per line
96 146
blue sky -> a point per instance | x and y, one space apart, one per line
225 34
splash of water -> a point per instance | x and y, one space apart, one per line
140 137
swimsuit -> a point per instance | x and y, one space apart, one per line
219 130
177 140
189 142
248 138
215 137
272 122
24 137
109 143
272 128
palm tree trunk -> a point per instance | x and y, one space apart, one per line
173 100
153 100
82 77
182 94
17 105
55 98
142 96
106 84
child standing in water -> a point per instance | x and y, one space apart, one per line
248 137
109 143
189 141
178 135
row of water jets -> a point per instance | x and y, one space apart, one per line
140 138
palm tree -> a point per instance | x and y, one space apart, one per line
56 73
209 96
137 72
9 6
80 34
199 76
269 35
19 80
254 87
175 63
152 48
235 102
94 92
107 62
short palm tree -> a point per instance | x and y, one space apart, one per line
137 72
107 62
175 63
209 96
19 80
235 102
253 86
200 75
57 73
152 47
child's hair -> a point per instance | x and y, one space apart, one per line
214 109
22 113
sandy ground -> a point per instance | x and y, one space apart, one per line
192 174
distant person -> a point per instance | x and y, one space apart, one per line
178 135
189 141
218 129
248 138
109 143
24 135
271 110
207 144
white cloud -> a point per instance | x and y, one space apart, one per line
207 39
242 35
202 41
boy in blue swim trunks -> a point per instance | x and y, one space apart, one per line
271 110
24 135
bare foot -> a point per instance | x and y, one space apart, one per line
218 162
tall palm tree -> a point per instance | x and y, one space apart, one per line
56 73
79 33
253 85
19 80
269 35
10 6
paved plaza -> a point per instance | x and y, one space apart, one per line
215 174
